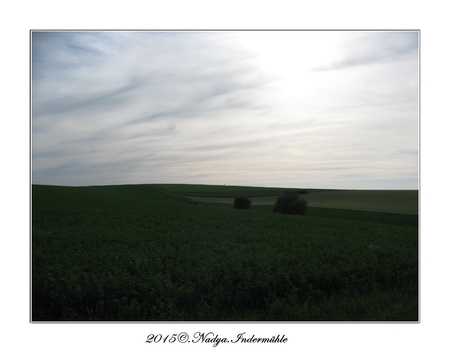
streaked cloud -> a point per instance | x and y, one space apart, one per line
365 48
284 108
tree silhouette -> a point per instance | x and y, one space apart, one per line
290 203
242 202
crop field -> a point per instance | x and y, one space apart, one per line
384 201
219 190
147 253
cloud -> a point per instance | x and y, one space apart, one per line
250 108
364 48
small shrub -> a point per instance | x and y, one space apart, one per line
290 203
242 203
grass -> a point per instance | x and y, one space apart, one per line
381 201
396 207
142 252
231 191
386 201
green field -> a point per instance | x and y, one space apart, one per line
398 207
382 201
145 253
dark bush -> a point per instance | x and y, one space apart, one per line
290 203
242 203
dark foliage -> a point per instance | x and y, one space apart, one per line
290 203
242 203
112 254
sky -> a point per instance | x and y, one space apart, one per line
306 109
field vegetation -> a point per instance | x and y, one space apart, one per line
381 201
148 253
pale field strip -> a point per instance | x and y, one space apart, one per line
384 201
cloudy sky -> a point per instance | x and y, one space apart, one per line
323 109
